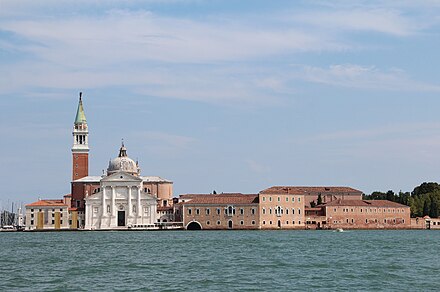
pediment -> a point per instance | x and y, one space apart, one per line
121 176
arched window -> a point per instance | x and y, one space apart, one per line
108 208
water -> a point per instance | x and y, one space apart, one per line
220 261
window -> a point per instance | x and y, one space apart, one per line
253 211
241 211
299 199
32 222
253 222
146 210
270 199
334 210
299 211
293 211
32 210
287 199
287 211
108 208
53 221
264 199
53 214
352 220
270 222
32 215
61 221
189 211
293 222
95 210
279 199
218 222
134 208
366 221
264 211
270 211
347 220
218 211
207 223
197 211
207 211
230 210
241 222
264 222
299 222
287 222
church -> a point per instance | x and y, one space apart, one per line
119 199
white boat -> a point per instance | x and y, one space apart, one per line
8 228
339 230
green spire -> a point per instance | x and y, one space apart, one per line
80 115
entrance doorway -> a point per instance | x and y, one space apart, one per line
230 224
121 218
194 226
279 223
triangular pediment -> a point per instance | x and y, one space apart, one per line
121 176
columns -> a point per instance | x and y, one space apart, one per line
130 208
113 202
138 207
104 206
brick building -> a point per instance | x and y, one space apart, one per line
218 211
366 214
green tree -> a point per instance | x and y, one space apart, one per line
433 212
312 204
425 208
319 200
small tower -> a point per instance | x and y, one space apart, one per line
80 148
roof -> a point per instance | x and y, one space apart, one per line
298 190
80 115
154 179
365 203
220 199
47 203
97 179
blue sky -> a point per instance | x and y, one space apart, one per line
232 96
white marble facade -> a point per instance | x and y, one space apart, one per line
120 203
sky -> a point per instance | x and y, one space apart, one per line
232 96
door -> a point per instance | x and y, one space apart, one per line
121 218
230 224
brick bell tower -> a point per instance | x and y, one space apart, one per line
80 148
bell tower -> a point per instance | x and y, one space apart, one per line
80 148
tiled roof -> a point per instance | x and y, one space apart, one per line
47 203
365 203
220 199
310 190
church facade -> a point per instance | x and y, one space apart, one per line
119 199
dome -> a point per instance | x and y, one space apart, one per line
123 163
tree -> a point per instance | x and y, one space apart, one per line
426 188
214 192
319 202
433 212
312 204
425 208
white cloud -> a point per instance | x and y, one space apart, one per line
364 77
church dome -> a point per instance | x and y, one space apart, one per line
123 163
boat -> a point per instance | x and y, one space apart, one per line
339 230
8 228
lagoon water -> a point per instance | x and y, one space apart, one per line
220 261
